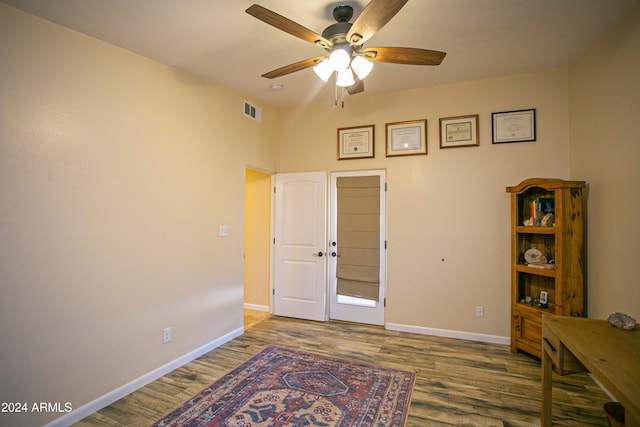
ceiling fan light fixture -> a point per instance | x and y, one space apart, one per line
345 78
323 69
361 66
339 59
344 42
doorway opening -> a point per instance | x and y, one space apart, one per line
257 247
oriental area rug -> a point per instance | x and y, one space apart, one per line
281 387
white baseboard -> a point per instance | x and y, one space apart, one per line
607 392
494 339
256 307
107 399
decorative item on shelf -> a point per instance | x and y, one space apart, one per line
543 299
534 256
542 213
547 220
545 266
622 321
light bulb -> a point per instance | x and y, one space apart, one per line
361 66
339 59
323 69
345 78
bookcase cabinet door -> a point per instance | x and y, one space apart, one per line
528 332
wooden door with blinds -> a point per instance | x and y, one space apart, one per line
357 247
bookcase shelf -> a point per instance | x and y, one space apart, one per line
536 310
535 230
523 268
558 204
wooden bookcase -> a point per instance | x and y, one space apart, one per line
560 241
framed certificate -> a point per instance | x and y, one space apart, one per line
407 138
356 142
461 131
514 126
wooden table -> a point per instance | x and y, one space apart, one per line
612 355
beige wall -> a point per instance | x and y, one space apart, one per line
257 228
448 212
116 171
115 174
605 148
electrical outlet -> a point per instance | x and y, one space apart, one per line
166 335
479 310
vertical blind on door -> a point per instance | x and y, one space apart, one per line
358 264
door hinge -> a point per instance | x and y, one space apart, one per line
385 244
385 187
274 190
385 302
274 240
274 292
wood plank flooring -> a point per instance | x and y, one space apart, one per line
459 383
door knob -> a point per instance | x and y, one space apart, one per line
318 254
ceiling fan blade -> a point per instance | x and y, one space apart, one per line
404 55
287 25
374 16
292 68
357 87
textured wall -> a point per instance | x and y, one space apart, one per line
115 174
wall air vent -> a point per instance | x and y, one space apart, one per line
252 111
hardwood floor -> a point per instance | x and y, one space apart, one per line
459 383
252 317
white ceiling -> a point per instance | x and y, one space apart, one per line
218 41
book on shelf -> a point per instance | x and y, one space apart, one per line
540 207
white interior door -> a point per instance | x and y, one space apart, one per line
368 310
300 236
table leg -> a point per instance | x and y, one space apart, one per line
547 380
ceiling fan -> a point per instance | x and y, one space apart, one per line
344 44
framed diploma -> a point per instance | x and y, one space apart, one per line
514 126
461 131
407 138
356 142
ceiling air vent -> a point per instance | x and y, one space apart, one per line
252 111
